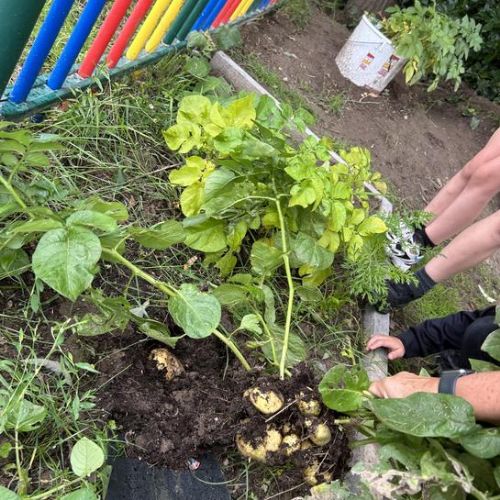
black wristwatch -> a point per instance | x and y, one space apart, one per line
449 378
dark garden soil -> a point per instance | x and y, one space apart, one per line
166 423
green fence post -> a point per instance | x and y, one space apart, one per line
17 20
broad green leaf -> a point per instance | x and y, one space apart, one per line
13 262
372 225
229 141
65 259
81 494
479 365
197 313
231 295
194 109
189 173
94 219
492 344
305 250
483 443
6 494
330 240
250 323
207 236
37 226
86 457
227 37
114 209
161 236
216 183
241 112
226 264
191 199
309 293
342 389
5 449
29 417
197 66
439 415
306 193
337 217
236 235
265 258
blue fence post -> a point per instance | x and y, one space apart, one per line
75 43
40 50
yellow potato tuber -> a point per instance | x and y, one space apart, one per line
320 433
267 402
167 362
310 407
306 444
310 473
269 443
290 444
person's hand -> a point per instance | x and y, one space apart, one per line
392 344
402 385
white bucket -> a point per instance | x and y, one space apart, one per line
368 58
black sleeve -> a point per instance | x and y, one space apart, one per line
436 335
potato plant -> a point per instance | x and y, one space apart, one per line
70 242
246 184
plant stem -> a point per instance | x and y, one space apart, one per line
13 193
171 292
291 291
48 494
166 289
234 349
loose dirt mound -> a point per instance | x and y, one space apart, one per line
167 422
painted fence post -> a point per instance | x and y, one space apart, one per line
17 20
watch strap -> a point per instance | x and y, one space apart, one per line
448 380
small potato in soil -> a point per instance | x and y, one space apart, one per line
320 432
312 476
266 401
269 443
290 444
308 406
167 363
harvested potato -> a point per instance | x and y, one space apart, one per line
320 433
270 442
267 402
310 473
166 362
310 407
305 445
290 444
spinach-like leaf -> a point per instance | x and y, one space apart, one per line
265 258
342 389
483 443
426 415
161 236
492 345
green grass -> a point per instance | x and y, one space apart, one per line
35 461
336 103
299 12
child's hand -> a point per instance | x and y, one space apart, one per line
392 344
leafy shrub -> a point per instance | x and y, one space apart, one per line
435 44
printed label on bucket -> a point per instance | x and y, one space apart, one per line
367 60
386 67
